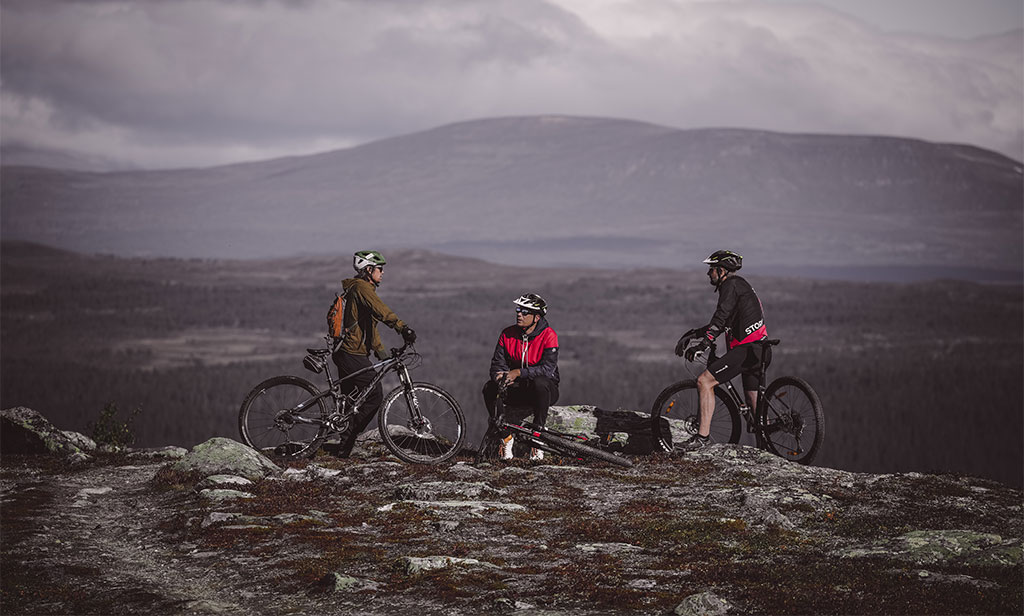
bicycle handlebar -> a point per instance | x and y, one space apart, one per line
395 353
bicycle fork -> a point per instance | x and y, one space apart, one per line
417 422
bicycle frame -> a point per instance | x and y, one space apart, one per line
746 412
533 435
333 391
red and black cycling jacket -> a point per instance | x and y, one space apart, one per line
534 354
739 313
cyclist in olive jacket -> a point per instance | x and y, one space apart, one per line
739 314
362 311
526 357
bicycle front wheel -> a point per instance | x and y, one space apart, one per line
570 448
675 416
422 424
791 420
282 416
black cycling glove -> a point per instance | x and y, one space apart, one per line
408 335
700 347
685 339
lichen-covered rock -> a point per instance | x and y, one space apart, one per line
414 565
340 582
219 495
436 490
80 440
703 604
1006 554
170 452
223 456
78 458
607 548
219 481
25 431
464 471
315 472
925 547
473 508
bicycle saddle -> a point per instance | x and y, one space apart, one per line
319 352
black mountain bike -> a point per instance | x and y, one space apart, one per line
289 416
788 420
561 444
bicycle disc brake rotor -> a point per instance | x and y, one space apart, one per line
421 427
284 420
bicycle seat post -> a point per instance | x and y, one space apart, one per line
764 365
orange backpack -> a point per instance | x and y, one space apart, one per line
336 317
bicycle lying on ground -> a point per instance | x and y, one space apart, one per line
558 443
788 420
291 417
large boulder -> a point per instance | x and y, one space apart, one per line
620 430
25 431
223 456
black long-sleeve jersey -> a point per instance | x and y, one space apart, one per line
739 313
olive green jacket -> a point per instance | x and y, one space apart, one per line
362 311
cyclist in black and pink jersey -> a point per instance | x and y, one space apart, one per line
526 358
739 314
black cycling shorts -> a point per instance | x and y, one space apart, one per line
742 359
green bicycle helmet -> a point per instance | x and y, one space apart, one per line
725 259
366 258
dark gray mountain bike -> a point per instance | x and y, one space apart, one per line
562 444
788 420
289 416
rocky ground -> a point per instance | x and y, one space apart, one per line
222 530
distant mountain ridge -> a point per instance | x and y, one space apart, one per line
557 189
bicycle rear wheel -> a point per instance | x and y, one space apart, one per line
281 417
791 420
422 425
675 416
570 448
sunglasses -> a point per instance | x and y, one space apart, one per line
525 311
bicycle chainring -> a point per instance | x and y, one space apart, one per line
338 423
692 424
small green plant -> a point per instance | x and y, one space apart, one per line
109 429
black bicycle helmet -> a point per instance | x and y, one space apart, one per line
534 302
725 259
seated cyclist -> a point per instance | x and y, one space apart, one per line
525 358
363 309
740 316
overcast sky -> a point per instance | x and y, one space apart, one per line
160 83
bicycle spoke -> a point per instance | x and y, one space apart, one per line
279 417
792 419
423 424
675 416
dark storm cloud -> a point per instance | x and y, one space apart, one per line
165 83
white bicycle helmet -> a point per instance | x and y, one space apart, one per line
532 301
365 258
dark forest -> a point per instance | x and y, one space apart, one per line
913 377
